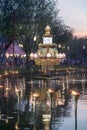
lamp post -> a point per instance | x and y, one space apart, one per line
76 95
59 48
50 91
35 95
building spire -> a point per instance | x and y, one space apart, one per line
47 30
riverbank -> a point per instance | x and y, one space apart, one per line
35 71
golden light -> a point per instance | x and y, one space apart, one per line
1 86
47 51
7 55
17 90
6 120
20 45
16 72
0 76
35 38
36 95
13 72
50 91
5 73
7 89
16 127
75 93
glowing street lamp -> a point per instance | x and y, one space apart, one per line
74 93
35 38
34 44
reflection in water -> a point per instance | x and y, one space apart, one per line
76 96
17 100
75 114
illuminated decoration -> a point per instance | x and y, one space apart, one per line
47 53
35 95
75 93
50 91
18 51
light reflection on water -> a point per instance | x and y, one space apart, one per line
69 121
63 104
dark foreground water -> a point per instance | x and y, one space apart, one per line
20 109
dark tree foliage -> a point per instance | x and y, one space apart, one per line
78 48
21 20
